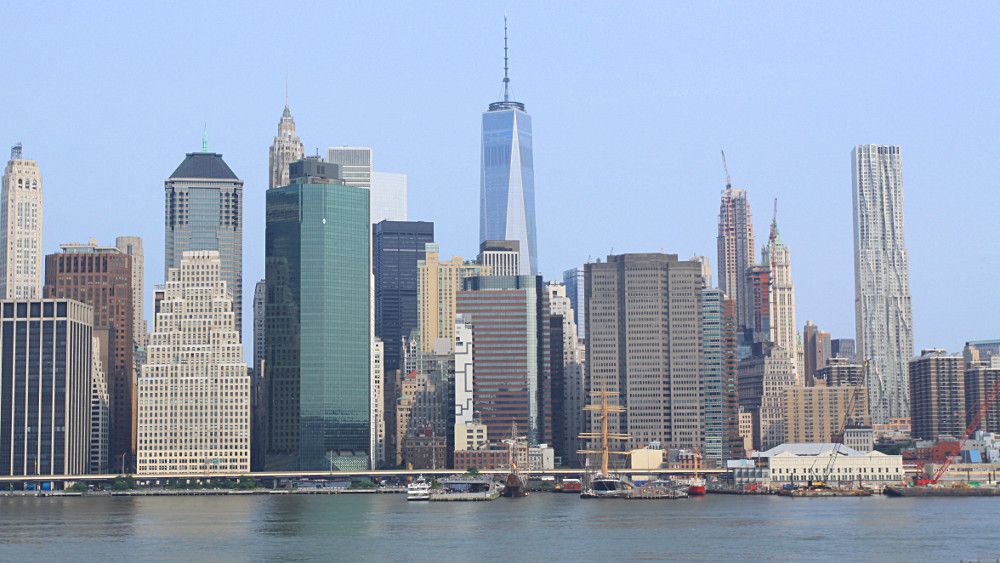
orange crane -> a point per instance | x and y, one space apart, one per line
990 398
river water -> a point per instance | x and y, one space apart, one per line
540 527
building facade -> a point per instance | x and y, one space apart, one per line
438 284
843 348
817 350
285 149
133 247
981 380
645 344
575 285
21 228
45 387
763 380
821 414
194 393
318 328
736 249
937 395
778 259
204 211
882 278
511 356
101 276
389 197
378 417
100 410
501 256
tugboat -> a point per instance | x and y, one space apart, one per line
420 489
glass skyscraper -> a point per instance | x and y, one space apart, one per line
318 334
507 181
204 211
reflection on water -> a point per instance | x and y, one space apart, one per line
542 526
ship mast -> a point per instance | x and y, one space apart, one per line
604 435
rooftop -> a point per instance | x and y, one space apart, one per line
817 449
204 165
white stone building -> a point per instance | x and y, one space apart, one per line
378 403
286 149
133 247
21 229
100 412
194 393
801 463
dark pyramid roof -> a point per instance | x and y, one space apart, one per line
204 165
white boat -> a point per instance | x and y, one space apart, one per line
418 490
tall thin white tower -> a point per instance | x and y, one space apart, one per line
21 228
882 279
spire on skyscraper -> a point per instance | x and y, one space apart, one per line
506 78
775 235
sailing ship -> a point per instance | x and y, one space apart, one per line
513 484
604 484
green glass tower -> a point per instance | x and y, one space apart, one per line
318 336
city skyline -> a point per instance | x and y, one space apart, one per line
815 192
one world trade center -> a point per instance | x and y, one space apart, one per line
507 181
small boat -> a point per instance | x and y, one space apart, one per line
418 490
608 486
571 486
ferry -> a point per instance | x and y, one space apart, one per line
571 486
418 490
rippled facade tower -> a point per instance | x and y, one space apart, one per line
507 182
882 279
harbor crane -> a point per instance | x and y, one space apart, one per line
991 398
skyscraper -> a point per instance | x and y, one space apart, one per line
778 260
573 280
566 361
509 330
355 164
502 257
101 276
937 391
645 345
817 345
735 247
100 409
398 248
882 278
133 247
318 271
45 387
507 181
204 211
713 371
194 393
21 228
286 149
378 442
388 197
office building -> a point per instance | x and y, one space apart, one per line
507 181
318 328
354 163
259 326
817 350
567 375
378 446
981 380
438 284
763 380
389 201
194 392
884 320
937 395
821 414
746 425
644 343
465 421
736 249
45 387
980 351
757 309
777 257
511 356
204 211
21 228
843 348
574 282
713 376
425 415
258 403
840 371
398 248
101 276
133 247
100 408
502 257
285 149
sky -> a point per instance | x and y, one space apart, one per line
631 104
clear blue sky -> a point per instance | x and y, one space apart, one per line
631 104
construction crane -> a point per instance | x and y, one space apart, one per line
725 168
991 397
604 435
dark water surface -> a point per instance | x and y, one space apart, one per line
540 527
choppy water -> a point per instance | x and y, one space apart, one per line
540 527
